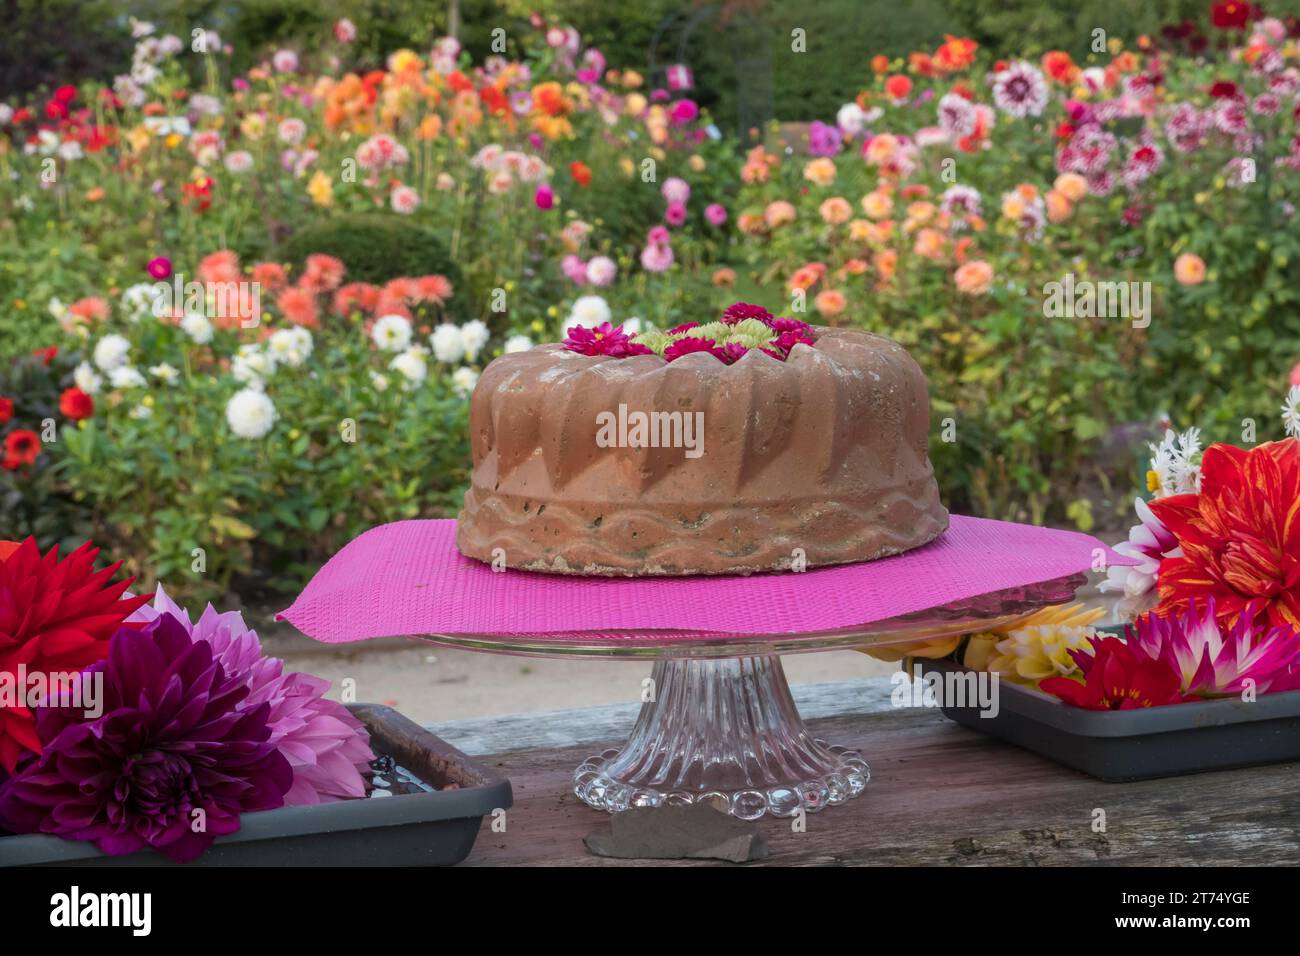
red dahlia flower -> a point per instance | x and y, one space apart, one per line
74 404
6 410
22 447
1240 537
1116 677
55 617
1231 15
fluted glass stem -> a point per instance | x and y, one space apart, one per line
727 732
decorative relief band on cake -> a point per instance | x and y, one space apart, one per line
729 540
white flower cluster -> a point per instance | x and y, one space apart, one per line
1176 464
255 363
452 343
1291 412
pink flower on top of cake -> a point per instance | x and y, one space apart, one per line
730 353
783 325
689 344
788 340
604 339
739 311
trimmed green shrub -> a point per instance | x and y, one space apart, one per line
374 248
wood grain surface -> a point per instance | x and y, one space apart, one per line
942 795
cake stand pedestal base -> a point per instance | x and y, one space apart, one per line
726 732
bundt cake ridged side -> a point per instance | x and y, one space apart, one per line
820 459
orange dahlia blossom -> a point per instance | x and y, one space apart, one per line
1240 537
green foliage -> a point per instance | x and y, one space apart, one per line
375 248
342 457
33 499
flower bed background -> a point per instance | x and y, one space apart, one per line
403 223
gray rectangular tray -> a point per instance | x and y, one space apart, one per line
410 829
1119 745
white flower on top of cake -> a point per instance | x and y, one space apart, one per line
518 343
392 333
250 414
473 336
588 311
448 346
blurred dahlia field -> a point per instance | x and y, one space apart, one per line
241 313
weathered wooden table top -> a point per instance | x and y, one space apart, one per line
940 795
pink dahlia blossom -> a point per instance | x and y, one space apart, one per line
675 189
405 200
601 271
675 214
716 214
345 30
544 198
657 257
1020 90
574 269
1149 541
1214 663
327 748
285 61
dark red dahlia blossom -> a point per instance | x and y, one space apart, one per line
1231 14
170 763
739 311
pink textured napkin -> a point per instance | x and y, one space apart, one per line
407 578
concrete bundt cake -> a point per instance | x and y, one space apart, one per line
750 444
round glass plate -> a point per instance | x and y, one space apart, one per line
981 612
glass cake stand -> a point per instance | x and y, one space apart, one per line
720 725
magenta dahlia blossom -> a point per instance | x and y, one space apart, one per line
1213 662
687 346
170 763
604 339
328 748
739 311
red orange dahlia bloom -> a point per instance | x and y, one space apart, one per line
1240 537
